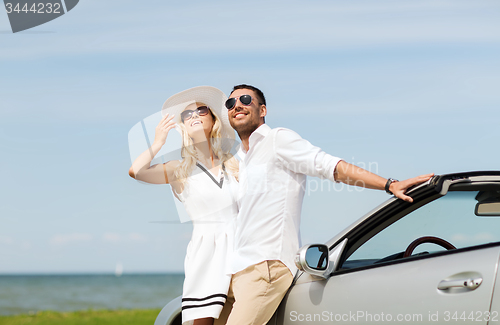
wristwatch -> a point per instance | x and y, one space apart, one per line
389 182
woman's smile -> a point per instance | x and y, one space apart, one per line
196 122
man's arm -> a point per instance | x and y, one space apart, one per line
354 175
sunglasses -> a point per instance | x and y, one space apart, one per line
188 114
244 99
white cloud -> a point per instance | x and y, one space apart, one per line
485 237
65 239
25 245
111 237
274 26
136 237
474 239
5 240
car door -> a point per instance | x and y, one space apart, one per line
403 292
376 284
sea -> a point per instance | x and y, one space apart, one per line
28 294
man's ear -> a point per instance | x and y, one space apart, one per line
263 110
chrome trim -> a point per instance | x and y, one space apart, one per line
471 284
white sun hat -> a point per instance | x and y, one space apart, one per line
214 98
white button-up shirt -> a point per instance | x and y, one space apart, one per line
272 180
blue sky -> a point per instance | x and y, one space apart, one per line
401 87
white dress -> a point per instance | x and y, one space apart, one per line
210 203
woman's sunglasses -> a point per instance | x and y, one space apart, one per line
244 99
188 114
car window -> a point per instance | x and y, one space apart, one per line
451 218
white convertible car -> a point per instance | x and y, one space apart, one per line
433 261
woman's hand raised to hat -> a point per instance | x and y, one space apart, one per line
141 168
166 124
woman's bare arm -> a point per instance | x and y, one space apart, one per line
141 168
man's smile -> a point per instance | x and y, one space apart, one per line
239 114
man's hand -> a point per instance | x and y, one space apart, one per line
399 188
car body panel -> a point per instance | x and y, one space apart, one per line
170 314
398 286
495 302
408 288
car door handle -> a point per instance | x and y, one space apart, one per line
471 283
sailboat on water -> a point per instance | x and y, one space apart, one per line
118 269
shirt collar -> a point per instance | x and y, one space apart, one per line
260 133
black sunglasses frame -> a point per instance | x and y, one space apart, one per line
188 114
244 99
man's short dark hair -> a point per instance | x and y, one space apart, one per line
258 92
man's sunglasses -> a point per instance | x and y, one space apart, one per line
244 99
188 114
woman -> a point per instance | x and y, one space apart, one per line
204 181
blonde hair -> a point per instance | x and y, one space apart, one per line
190 156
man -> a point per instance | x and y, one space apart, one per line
273 168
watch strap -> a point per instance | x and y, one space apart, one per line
388 184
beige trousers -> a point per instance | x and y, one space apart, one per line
255 293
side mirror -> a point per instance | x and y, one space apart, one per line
318 260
